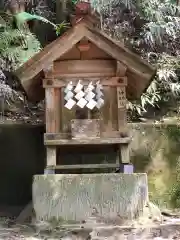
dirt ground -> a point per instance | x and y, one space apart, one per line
145 228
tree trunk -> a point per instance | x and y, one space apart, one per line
63 10
15 6
177 5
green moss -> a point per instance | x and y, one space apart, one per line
175 195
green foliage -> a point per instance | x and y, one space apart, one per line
152 29
74 1
175 190
22 17
16 47
60 27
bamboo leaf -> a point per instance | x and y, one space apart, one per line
23 17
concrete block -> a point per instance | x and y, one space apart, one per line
77 197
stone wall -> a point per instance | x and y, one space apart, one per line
155 149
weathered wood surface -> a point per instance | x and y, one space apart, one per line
120 69
93 53
88 67
51 156
58 82
85 128
91 141
56 136
84 166
124 155
77 197
53 110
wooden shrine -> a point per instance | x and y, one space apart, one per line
86 79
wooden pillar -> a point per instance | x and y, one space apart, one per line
53 110
122 117
122 125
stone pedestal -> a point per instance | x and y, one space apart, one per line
76 197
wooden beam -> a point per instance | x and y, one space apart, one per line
62 82
107 67
84 166
83 75
92 141
66 136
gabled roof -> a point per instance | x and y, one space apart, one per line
139 72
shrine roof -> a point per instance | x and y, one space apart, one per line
31 73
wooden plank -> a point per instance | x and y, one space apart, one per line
105 111
114 109
53 109
50 159
120 69
121 97
62 82
72 54
122 119
83 75
95 53
84 66
51 156
67 135
121 100
57 109
93 141
84 166
124 151
124 155
85 128
66 117
49 100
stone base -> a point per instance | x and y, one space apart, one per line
77 197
